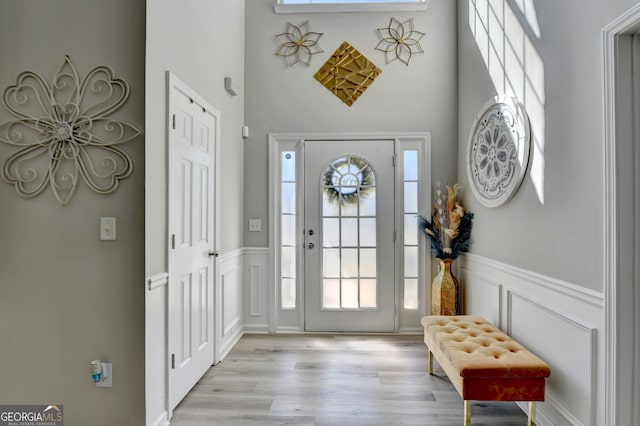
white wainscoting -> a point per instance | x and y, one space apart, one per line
558 321
156 287
228 323
229 297
257 290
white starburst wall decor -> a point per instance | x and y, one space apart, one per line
298 44
399 41
63 131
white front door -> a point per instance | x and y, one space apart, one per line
192 148
349 235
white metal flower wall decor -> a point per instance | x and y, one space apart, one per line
64 132
298 44
498 151
399 41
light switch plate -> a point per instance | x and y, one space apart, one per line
255 225
107 228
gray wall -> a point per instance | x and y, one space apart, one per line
420 97
66 297
561 233
201 43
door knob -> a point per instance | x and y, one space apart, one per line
311 245
213 253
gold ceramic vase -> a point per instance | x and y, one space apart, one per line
444 291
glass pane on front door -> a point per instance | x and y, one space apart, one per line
349 261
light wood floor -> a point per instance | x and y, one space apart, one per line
331 380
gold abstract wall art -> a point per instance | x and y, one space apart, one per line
298 44
399 40
347 73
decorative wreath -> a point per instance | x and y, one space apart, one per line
348 179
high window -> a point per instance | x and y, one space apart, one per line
297 6
347 1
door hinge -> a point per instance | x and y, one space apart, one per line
174 122
395 159
394 235
173 361
173 241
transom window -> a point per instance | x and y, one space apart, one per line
347 1
298 6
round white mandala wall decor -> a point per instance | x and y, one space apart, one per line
498 151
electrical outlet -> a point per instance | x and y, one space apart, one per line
107 376
255 225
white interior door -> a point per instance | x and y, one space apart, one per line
192 148
349 235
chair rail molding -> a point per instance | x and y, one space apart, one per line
592 297
158 280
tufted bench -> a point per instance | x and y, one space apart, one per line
483 363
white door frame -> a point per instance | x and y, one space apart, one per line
279 320
175 85
621 326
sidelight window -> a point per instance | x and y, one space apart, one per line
288 254
410 209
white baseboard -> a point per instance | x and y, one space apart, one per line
229 344
290 329
411 330
256 328
161 420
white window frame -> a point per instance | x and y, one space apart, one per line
388 7
408 318
284 319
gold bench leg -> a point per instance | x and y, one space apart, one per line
531 421
467 412
430 363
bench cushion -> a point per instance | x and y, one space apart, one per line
481 361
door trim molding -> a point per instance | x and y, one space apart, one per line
176 85
625 24
379 155
280 320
